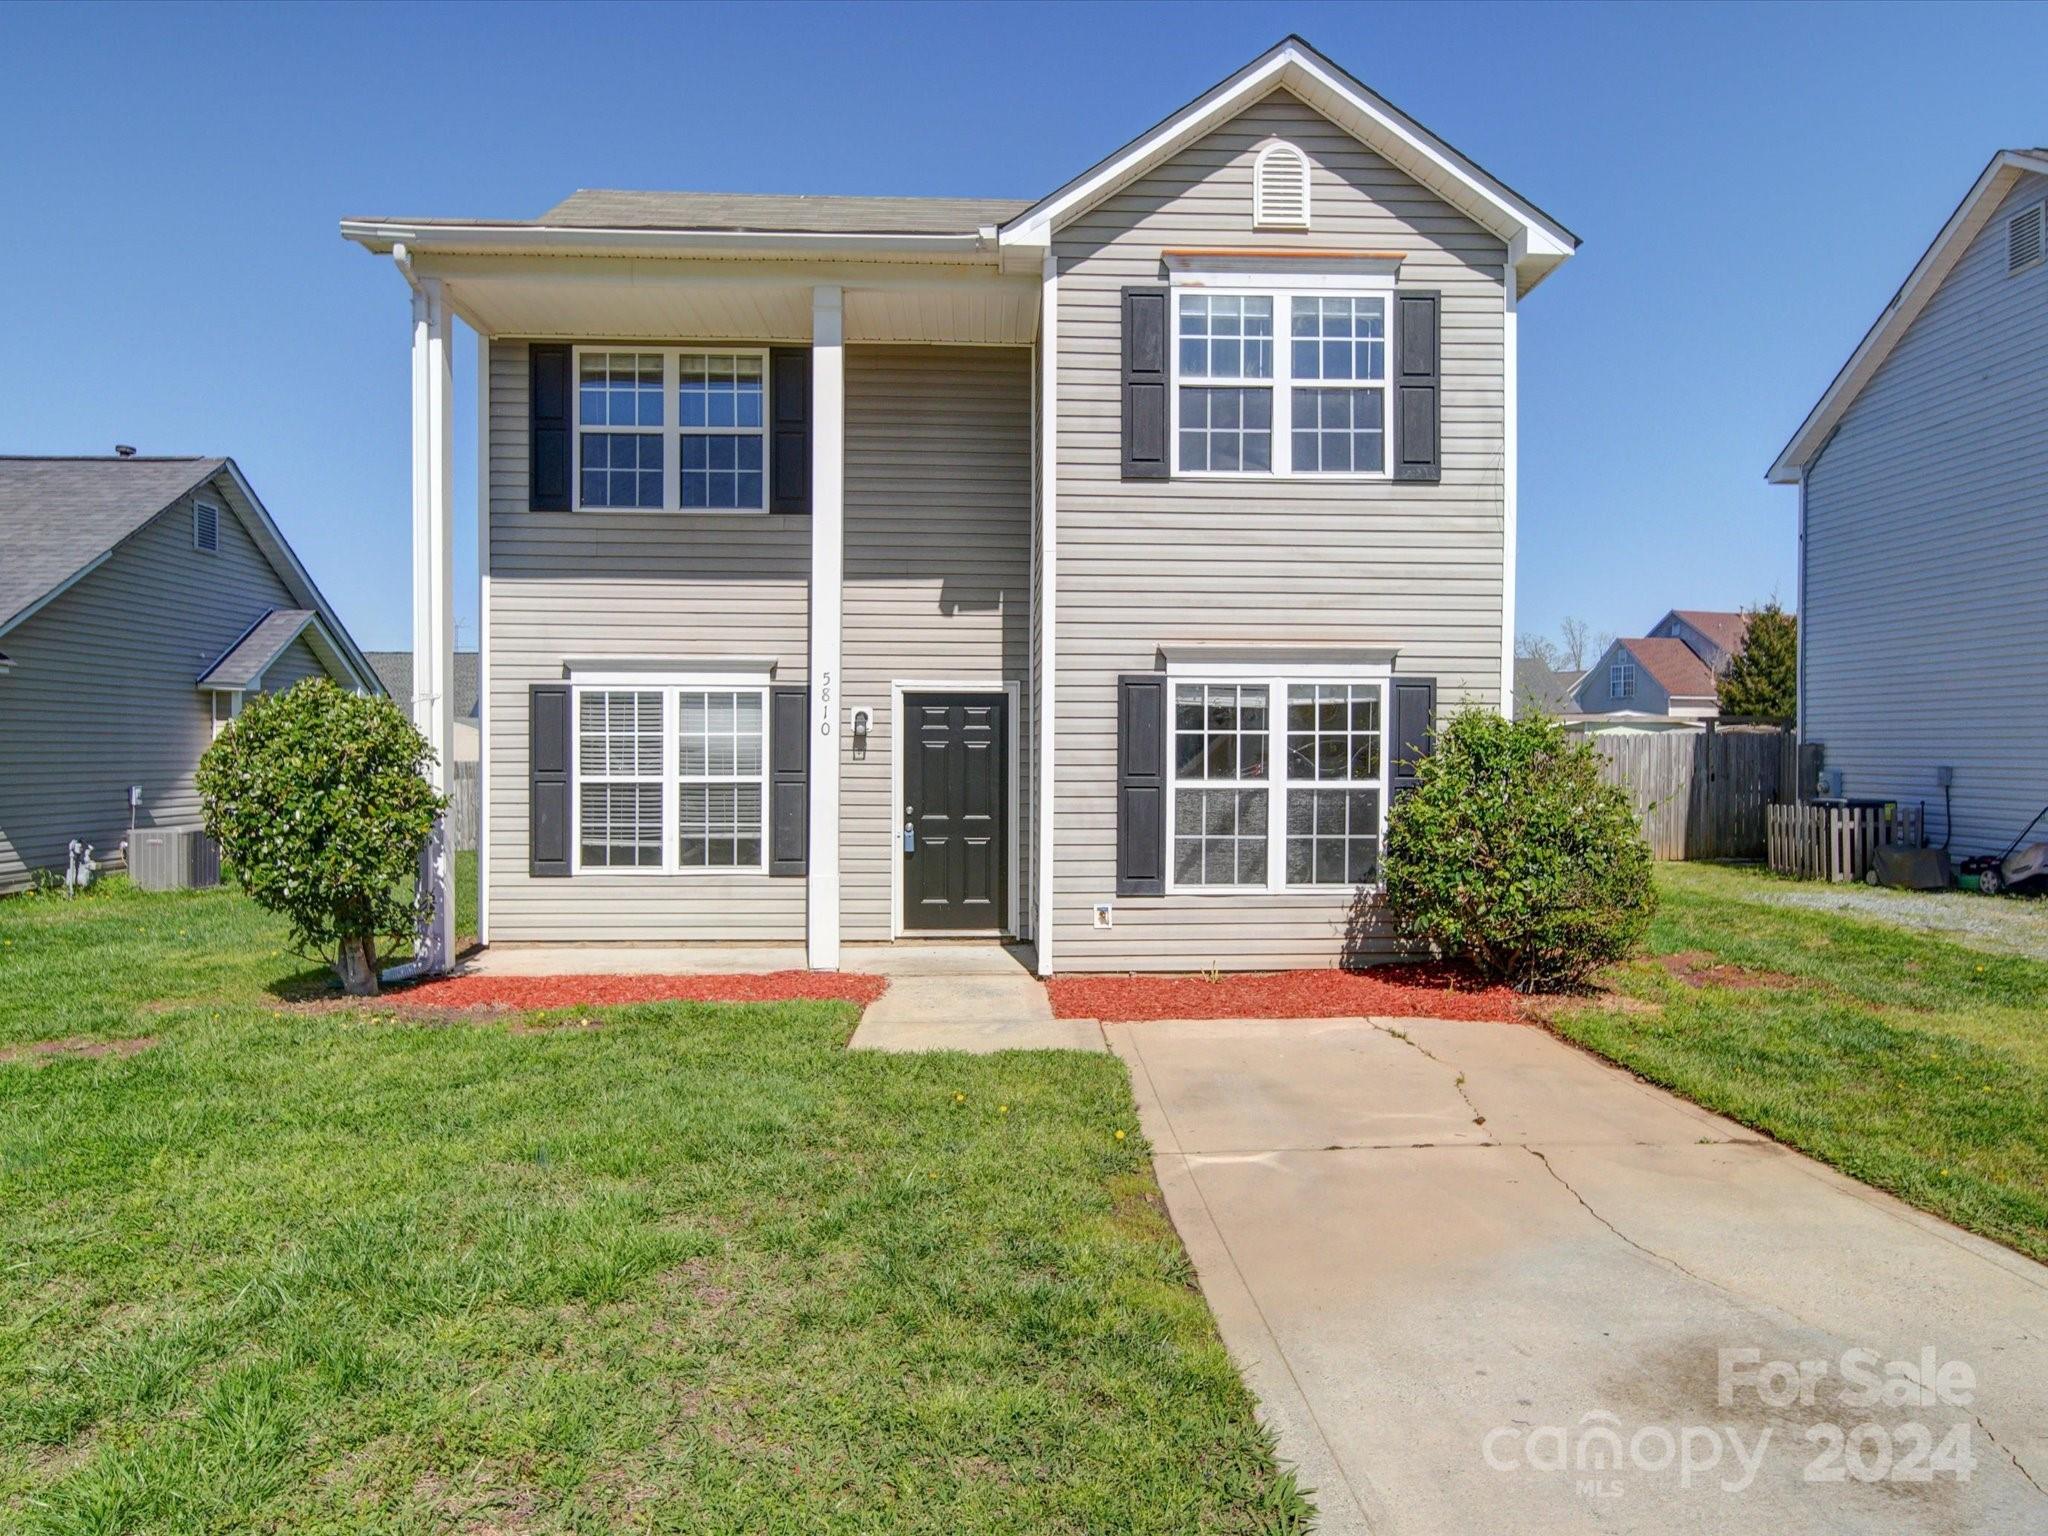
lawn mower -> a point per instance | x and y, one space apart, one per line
2018 871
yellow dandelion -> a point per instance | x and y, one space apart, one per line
1002 1109
959 1098
1119 1135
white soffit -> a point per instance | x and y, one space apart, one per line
1537 242
1928 274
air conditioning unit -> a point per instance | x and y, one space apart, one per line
173 859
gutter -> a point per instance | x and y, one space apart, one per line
382 237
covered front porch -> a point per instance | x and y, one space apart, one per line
919 450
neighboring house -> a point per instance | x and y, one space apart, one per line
1923 527
1649 676
1543 689
394 670
141 601
1086 569
1671 674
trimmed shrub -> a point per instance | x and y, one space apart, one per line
319 802
1510 854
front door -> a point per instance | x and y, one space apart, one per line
956 780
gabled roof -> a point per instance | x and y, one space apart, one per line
1545 687
1726 630
772 214
1928 274
1675 665
61 517
1536 242
64 516
243 664
394 670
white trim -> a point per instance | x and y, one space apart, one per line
1282 289
1013 833
1276 784
483 639
827 598
1305 270
1306 664
423 236
1928 274
1329 90
1048 585
1026 922
625 671
668 686
1510 476
670 430
1799 633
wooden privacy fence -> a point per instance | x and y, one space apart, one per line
1837 842
464 803
1702 794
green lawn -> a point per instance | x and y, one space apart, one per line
318 1269
1910 1061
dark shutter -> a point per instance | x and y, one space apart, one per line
549 395
1414 728
1141 785
789 786
547 756
1145 415
789 431
1418 386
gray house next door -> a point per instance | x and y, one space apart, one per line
955 789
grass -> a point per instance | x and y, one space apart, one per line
321 1269
1909 1061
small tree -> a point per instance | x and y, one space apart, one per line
1763 677
319 801
1512 854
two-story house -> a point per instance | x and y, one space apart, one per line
1085 570
1671 675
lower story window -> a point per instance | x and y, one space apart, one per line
671 778
1219 837
1333 836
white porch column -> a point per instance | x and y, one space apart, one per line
828 432
1510 471
433 599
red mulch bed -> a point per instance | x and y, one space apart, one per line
593 991
1407 991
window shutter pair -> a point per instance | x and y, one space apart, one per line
550 766
1142 742
551 418
1417 383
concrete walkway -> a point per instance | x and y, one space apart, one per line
963 997
1448 1255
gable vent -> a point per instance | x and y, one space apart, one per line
2023 240
205 526
1280 188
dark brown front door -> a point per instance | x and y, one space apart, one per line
956 783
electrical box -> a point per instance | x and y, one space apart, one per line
1944 776
1105 915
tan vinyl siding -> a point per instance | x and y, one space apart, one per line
584 585
938 488
1926 557
1146 562
102 694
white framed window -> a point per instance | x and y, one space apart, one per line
1621 679
1277 783
1311 402
668 429
206 527
671 777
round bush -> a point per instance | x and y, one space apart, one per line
318 800
1512 855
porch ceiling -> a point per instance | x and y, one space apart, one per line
630 298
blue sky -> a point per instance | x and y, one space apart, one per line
1751 183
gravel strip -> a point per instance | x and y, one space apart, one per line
2003 925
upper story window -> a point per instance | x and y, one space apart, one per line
1316 405
672 428
1621 679
1280 188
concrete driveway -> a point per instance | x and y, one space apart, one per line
1482 1282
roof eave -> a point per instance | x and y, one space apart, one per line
382 236
1897 317
1538 243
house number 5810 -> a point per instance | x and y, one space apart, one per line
825 704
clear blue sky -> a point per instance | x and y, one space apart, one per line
1751 185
